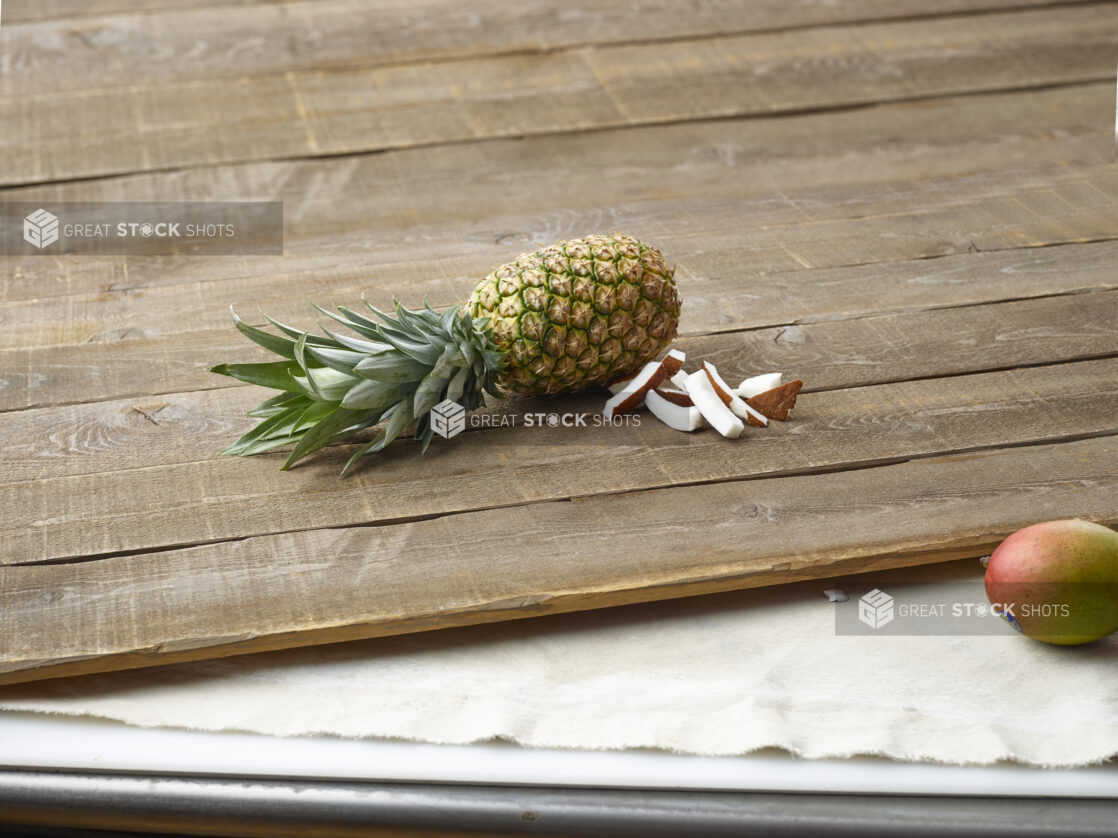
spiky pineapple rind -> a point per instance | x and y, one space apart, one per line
578 313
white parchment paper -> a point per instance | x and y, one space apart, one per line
717 675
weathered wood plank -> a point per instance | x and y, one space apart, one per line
732 278
296 589
134 361
112 41
139 126
157 505
720 198
458 210
186 427
103 436
35 11
137 348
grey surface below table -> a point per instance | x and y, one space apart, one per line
246 807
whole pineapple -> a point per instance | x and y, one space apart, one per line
568 316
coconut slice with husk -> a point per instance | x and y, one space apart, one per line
678 397
673 361
759 384
729 398
776 403
710 405
649 377
617 384
681 417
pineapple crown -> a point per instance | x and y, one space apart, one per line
394 373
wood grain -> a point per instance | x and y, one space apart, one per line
33 11
157 505
101 42
724 291
712 239
95 437
133 351
1064 324
185 427
329 585
464 208
913 208
424 214
139 126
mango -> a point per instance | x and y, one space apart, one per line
1057 582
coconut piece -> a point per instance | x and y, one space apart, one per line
677 397
679 380
631 394
777 402
677 416
731 400
617 384
701 391
673 361
651 376
758 384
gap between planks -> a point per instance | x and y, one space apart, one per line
710 240
551 99
21 10
352 49
320 586
89 439
860 107
689 181
31 12
214 500
438 516
1058 119
812 346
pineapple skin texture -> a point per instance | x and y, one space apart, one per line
578 313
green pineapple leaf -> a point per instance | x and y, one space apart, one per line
280 424
276 404
320 435
292 332
391 367
273 343
391 374
274 374
342 360
376 395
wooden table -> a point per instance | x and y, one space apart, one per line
913 208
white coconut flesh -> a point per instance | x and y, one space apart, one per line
674 396
729 398
686 402
759 384
619 385
675 416
629 393
710 405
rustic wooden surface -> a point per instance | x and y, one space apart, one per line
913 208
